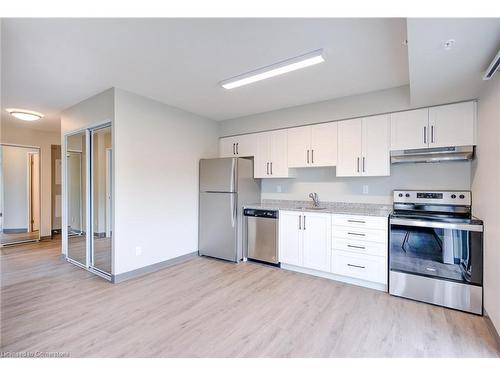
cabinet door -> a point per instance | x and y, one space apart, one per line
262 156
278 154
409 129
246 145
452 125
375 144
324 145
290 238
299 144
317 245
349 148
227 147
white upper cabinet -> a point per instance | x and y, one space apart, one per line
375 159
452 125
349 147
445 125
409 129
364 147
312 146
271 158
241 145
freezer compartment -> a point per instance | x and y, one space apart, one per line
218 175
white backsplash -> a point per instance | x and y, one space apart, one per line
437 176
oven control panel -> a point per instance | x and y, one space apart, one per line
459 198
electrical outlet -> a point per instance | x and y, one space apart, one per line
365 189
278 188
138 250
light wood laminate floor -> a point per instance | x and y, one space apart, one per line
210 308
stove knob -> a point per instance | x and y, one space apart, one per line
462 196
453 196
400 195
407 195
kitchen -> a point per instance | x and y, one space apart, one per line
282 198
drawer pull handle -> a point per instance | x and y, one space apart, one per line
356 234
355 266
357 221
356 247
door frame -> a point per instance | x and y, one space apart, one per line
39 191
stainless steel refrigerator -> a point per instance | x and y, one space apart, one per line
226 185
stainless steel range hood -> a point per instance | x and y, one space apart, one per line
433 155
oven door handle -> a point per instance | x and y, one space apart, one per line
434 224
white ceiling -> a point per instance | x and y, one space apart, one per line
438 75
50 64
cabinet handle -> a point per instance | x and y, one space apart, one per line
425 134
304 222
363 164
234 152
237 148
312 156
300 221
307 156
356 234
356 247
267 168
432 134
357 163
271 167
356 221
355 265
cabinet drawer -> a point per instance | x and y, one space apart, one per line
364 267
355 221
359 234
360 247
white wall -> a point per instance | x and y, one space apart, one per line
43 139
453 175
323 180
157 150
486 192
390 100
97 110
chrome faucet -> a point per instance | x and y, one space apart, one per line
314 197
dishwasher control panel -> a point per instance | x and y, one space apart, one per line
272 214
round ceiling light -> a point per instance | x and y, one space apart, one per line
25 115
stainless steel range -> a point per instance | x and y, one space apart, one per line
436 249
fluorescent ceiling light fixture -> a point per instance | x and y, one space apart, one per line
25 115
282 67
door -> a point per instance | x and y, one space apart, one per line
317 245
246 145
218 175
109 167
227 147
409 129
262 156
452 125
34 199
217 226
375 143
290 237
324 145
349 148
299 144
279 155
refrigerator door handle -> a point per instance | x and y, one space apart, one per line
233 211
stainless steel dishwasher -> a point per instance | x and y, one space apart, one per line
262 235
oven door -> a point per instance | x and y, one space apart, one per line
437 249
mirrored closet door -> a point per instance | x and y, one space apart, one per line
19 194
89 208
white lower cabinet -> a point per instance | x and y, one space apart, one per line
305 239
349 248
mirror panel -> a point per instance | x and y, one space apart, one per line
19 194
101 146
76 196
